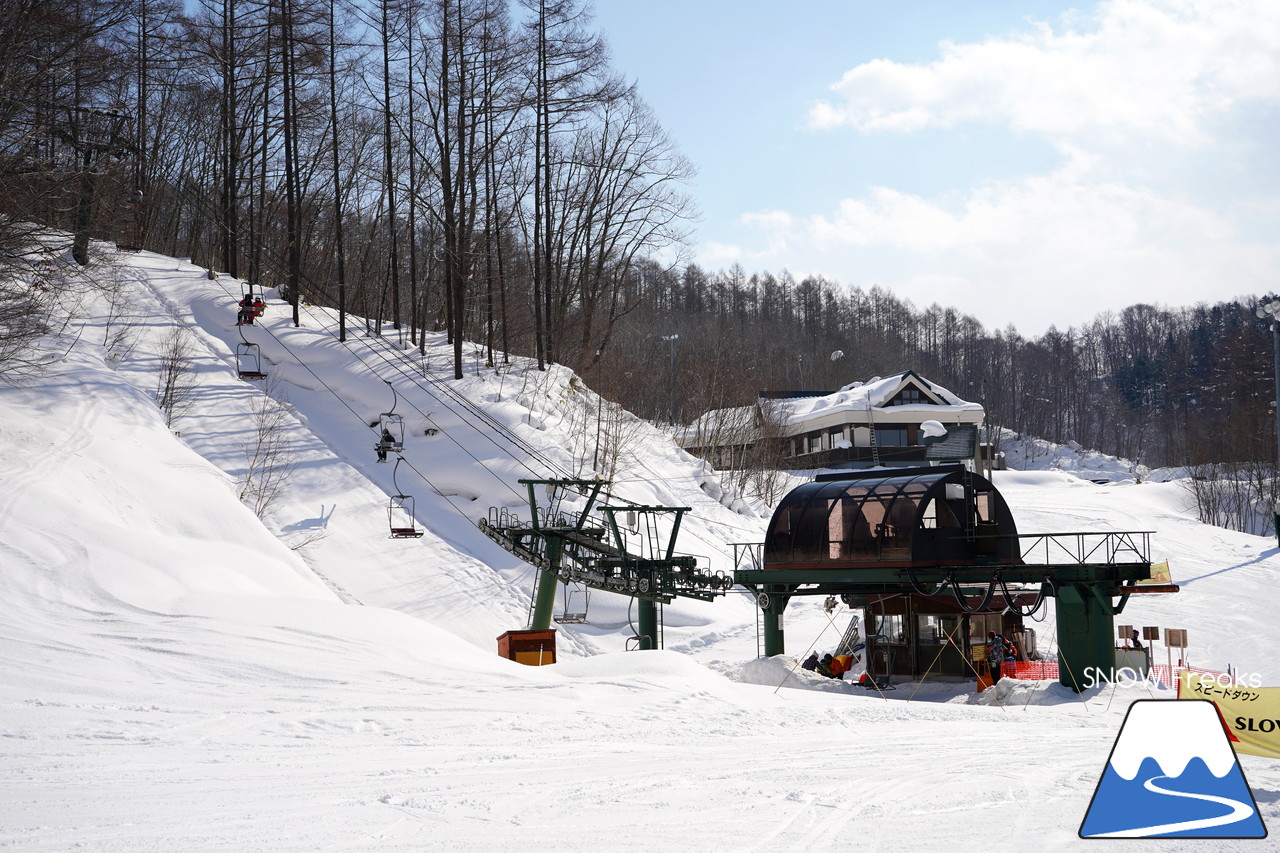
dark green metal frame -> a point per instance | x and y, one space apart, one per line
570 550
1083 585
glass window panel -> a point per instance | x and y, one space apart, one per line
929 519
897 529
891 628
937 629
867 546
982 500
809 540
835 529
979 625
946 516
891 436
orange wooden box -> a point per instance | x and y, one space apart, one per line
529 646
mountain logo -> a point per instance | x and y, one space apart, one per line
1172 774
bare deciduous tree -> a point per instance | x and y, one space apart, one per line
268 456
176 383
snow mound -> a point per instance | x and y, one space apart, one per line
1027 453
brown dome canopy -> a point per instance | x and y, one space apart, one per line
904 517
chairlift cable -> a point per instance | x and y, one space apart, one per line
480 414
477 412
341 400
315 289
400 368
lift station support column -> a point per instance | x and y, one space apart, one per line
648 628
1086 648
545 597
772 603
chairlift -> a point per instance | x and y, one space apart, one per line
575 617
400 511
638 642
248 359
390 429
250 307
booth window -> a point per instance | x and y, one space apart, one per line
935 628
891 627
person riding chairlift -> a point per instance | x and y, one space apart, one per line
385 444
251 307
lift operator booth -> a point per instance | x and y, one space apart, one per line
934 557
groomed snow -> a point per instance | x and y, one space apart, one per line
177 675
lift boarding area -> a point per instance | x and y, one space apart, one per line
931 555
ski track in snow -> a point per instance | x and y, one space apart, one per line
175 677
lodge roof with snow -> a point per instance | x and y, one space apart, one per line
902 419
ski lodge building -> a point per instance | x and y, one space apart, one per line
863 425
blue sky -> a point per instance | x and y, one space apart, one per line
1031 162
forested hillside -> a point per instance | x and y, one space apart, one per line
1159 385
479 167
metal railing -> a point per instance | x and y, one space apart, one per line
1079 549
748 555
1049 549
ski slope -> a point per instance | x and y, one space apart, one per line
179 675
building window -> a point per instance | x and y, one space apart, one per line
892 437
910 396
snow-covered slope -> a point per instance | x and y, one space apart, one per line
178 675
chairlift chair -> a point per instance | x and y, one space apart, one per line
390 428
390 424
401 511
574 617
400 518
249 360
250 306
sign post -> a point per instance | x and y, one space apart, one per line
1176 638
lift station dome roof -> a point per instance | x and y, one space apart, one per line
937 516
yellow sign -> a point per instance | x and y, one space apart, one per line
1251 714
1159 575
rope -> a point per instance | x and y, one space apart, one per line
831 623
941 648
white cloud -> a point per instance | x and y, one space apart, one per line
713 253
1142 99
777 226
1164 69
1035 251
1051 210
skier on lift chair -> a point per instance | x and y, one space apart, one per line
385 444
